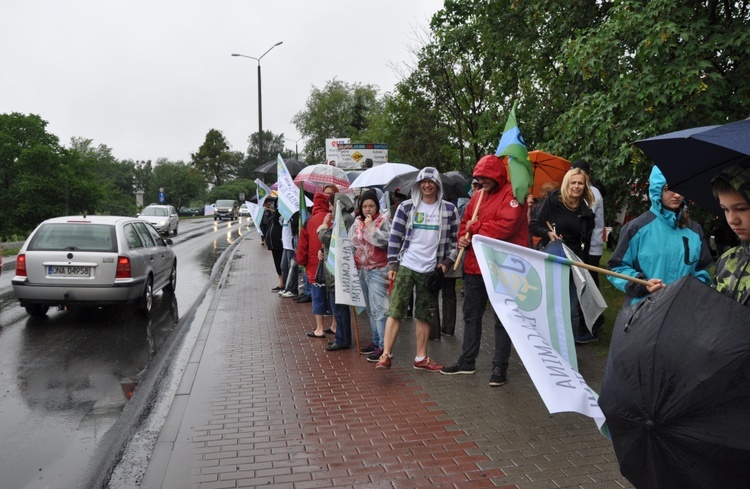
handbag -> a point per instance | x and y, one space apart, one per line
434 280
320 273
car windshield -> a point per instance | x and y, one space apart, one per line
224 203
155 211
74 237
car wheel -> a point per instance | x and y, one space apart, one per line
146 302
215 218
172 285
175 230
37 310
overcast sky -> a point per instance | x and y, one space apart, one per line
149 78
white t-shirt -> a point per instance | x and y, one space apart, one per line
421 255
286 235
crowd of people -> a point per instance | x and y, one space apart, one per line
401 254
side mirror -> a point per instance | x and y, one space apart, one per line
138 215
169 241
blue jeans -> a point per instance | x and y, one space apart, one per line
475 302
375 288
343 320
291 277
287 261
306 287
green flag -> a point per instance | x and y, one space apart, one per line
513 146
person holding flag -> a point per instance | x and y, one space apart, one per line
422 239
502 217
341 315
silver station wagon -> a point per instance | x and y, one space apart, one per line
92 261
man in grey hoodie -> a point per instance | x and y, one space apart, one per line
423 237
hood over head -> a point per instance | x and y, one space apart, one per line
320 203
426 173
347 205
657 181
738 177
491 166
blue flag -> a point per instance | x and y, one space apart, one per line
513 146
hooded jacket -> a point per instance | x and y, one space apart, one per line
309 244
325 232
733 267
370 241
654 246
500 215
402 224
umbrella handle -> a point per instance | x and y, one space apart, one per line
473 217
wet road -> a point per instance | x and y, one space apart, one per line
64 379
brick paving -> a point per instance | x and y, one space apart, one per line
264 405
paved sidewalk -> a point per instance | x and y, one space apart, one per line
261 404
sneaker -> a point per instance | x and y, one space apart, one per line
369 349
428 364
457 369
384 361
375 355
288 294
498 377
304 298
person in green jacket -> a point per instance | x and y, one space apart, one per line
732 189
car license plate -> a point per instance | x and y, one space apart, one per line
68 271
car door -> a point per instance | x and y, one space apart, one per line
162 261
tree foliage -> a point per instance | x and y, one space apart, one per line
273 144
337 110
214 160
182 184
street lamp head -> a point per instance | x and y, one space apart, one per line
278 43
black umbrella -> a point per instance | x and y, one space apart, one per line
453 187
269 167
462 177
676 390
690 158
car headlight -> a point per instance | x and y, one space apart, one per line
162 223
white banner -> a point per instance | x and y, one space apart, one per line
262 191
529 291
256 214
288 192
341 263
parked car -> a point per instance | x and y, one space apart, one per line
244 211
190 211
226 209
163 217
92 261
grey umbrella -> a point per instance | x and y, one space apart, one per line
269 167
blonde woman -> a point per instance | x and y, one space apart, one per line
569 212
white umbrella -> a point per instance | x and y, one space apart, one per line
379 175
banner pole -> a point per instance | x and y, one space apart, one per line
468 236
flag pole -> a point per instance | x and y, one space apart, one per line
468 236
605 271
353 314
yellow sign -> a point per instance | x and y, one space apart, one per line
357 156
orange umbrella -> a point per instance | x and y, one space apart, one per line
547 168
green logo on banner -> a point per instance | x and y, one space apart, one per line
262 192
514 277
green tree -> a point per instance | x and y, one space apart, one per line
182 183
232 190
214 159
41 179
273 144
339 109
114 180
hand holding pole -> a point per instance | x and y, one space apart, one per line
468 235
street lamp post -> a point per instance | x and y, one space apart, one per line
260 101
296 151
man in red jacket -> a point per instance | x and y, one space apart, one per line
502 217
307 256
